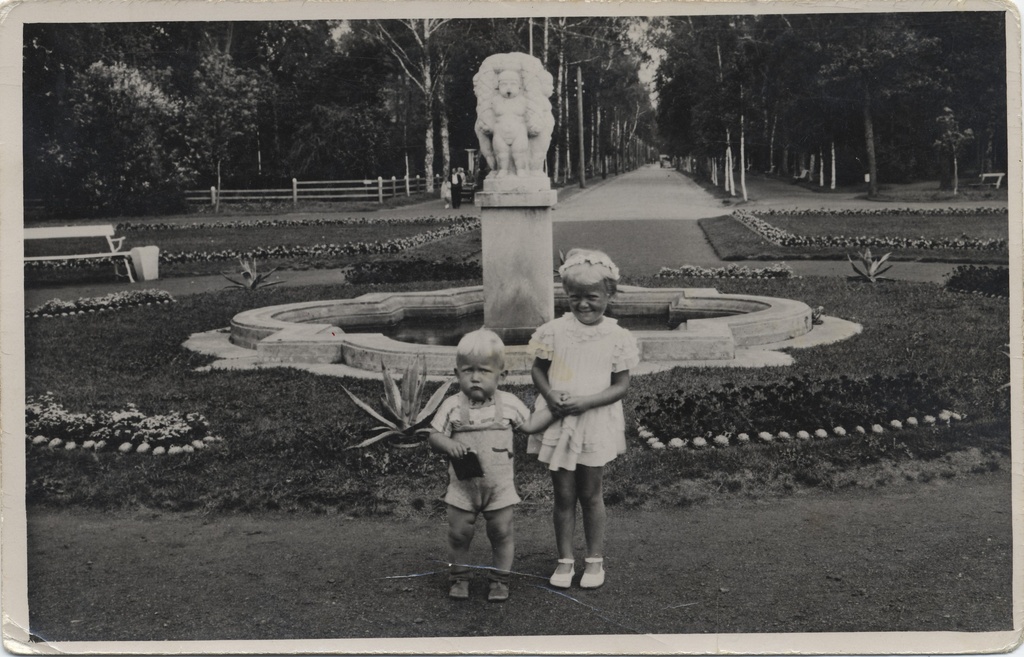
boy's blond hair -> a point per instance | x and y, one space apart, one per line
481 343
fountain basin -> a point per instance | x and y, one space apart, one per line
315 331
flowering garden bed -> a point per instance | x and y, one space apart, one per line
48 425
781 270
113 301
800 408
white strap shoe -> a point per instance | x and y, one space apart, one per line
563 580
593 578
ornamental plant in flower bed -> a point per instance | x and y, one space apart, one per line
113 301
796 408
987 281
48 425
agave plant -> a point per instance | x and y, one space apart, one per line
251 279
873 269
402 419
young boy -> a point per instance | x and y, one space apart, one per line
480 419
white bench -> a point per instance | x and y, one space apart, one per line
71 232
986 177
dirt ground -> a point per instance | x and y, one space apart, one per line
921 557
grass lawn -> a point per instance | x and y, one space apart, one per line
734 241
928 227
286 430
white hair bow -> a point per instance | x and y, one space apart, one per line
599 260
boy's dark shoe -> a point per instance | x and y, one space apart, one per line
459 589
498 592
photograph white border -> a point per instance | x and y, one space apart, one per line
13 549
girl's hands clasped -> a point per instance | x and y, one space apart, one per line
563 403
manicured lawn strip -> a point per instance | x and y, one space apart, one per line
285 430
732 241
928 227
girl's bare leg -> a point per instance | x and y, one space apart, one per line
564 482
590 490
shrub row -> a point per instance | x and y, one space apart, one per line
782 237
113 301
988 281
404 271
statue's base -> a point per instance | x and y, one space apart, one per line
514 183
517 256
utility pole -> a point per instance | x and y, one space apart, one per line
582 166
531 36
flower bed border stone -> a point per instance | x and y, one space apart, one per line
106 303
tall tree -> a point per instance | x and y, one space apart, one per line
418 47
871 58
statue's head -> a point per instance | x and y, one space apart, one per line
510 83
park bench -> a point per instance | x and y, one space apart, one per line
985 180
79 232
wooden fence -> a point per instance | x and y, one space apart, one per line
319 190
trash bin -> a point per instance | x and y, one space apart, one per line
146 262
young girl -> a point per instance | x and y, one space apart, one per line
581 370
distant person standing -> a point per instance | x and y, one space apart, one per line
457 178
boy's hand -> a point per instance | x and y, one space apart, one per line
455 449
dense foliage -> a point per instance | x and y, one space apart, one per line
123 117
873 87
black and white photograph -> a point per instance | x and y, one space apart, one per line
552 328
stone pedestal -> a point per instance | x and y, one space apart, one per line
515 218
146 262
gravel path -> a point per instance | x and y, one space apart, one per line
852 561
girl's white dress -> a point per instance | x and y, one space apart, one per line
583 358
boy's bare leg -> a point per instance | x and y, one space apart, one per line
499 532
461 526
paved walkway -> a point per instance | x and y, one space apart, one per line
644 219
